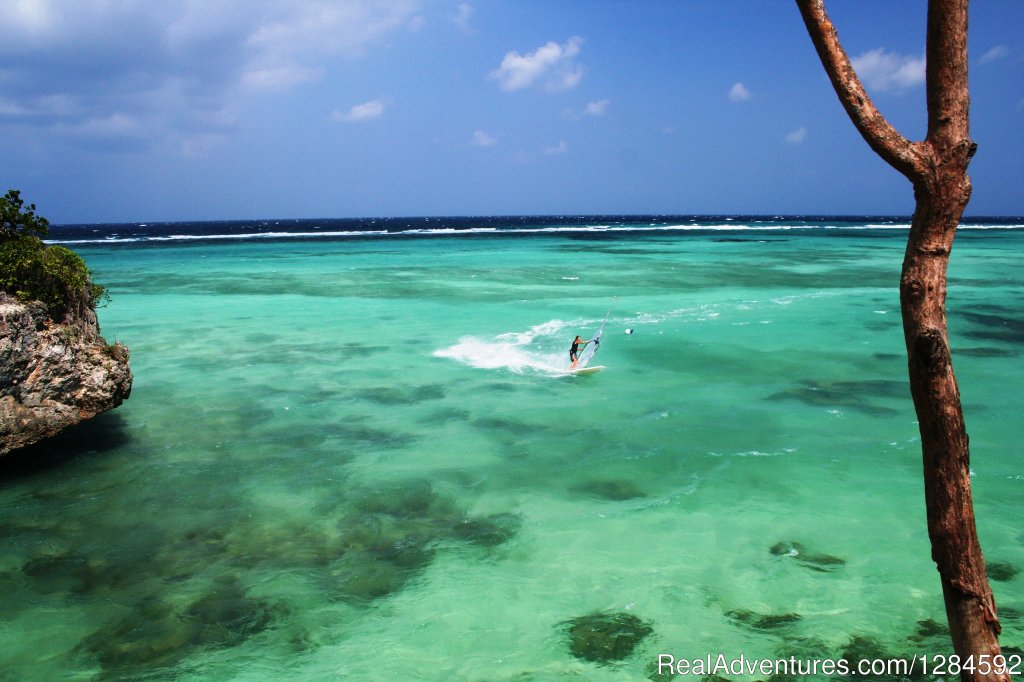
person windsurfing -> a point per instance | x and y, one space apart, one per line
575 349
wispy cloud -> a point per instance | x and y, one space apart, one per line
597 108
560 148
278 77
367 111
889 72
482 139
995 54
594 109
300 29
113 127
797 136
552 66
12 109
462 17
739 93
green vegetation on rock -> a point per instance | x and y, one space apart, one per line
33 271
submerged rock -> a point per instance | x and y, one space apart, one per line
760 621
930 629
511 426
402 395
1002 571
412 499
986 352
805 648
489 531
150 636
999 325
395 532
617 490
58 572
363 578
606 637
53 374
1010 614
898 668
226 616
156 634
816 562
863 648
853 395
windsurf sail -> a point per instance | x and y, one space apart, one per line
595 342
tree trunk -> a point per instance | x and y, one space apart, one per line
937 168
970 607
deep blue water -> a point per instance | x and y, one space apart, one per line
592 226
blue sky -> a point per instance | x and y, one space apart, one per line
137 110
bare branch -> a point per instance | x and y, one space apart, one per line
899 152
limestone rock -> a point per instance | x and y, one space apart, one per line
54 374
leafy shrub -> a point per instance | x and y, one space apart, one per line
18 219
31 270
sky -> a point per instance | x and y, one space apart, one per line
136 110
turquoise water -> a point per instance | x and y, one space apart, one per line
360 459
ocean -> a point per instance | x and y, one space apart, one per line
352 452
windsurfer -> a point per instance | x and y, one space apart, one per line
574 351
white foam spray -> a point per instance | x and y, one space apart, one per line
538 349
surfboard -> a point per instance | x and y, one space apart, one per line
586 370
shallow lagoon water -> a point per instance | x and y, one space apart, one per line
359 458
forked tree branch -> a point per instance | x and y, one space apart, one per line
938 169
905 156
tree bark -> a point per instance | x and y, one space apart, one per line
937 167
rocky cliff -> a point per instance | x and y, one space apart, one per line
54 375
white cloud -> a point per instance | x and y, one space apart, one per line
887 71
348 27
996 53
462 17
560 148
295 34
28 17
482 139
739 93
367 111
181 69
597 108
552 66
797 136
